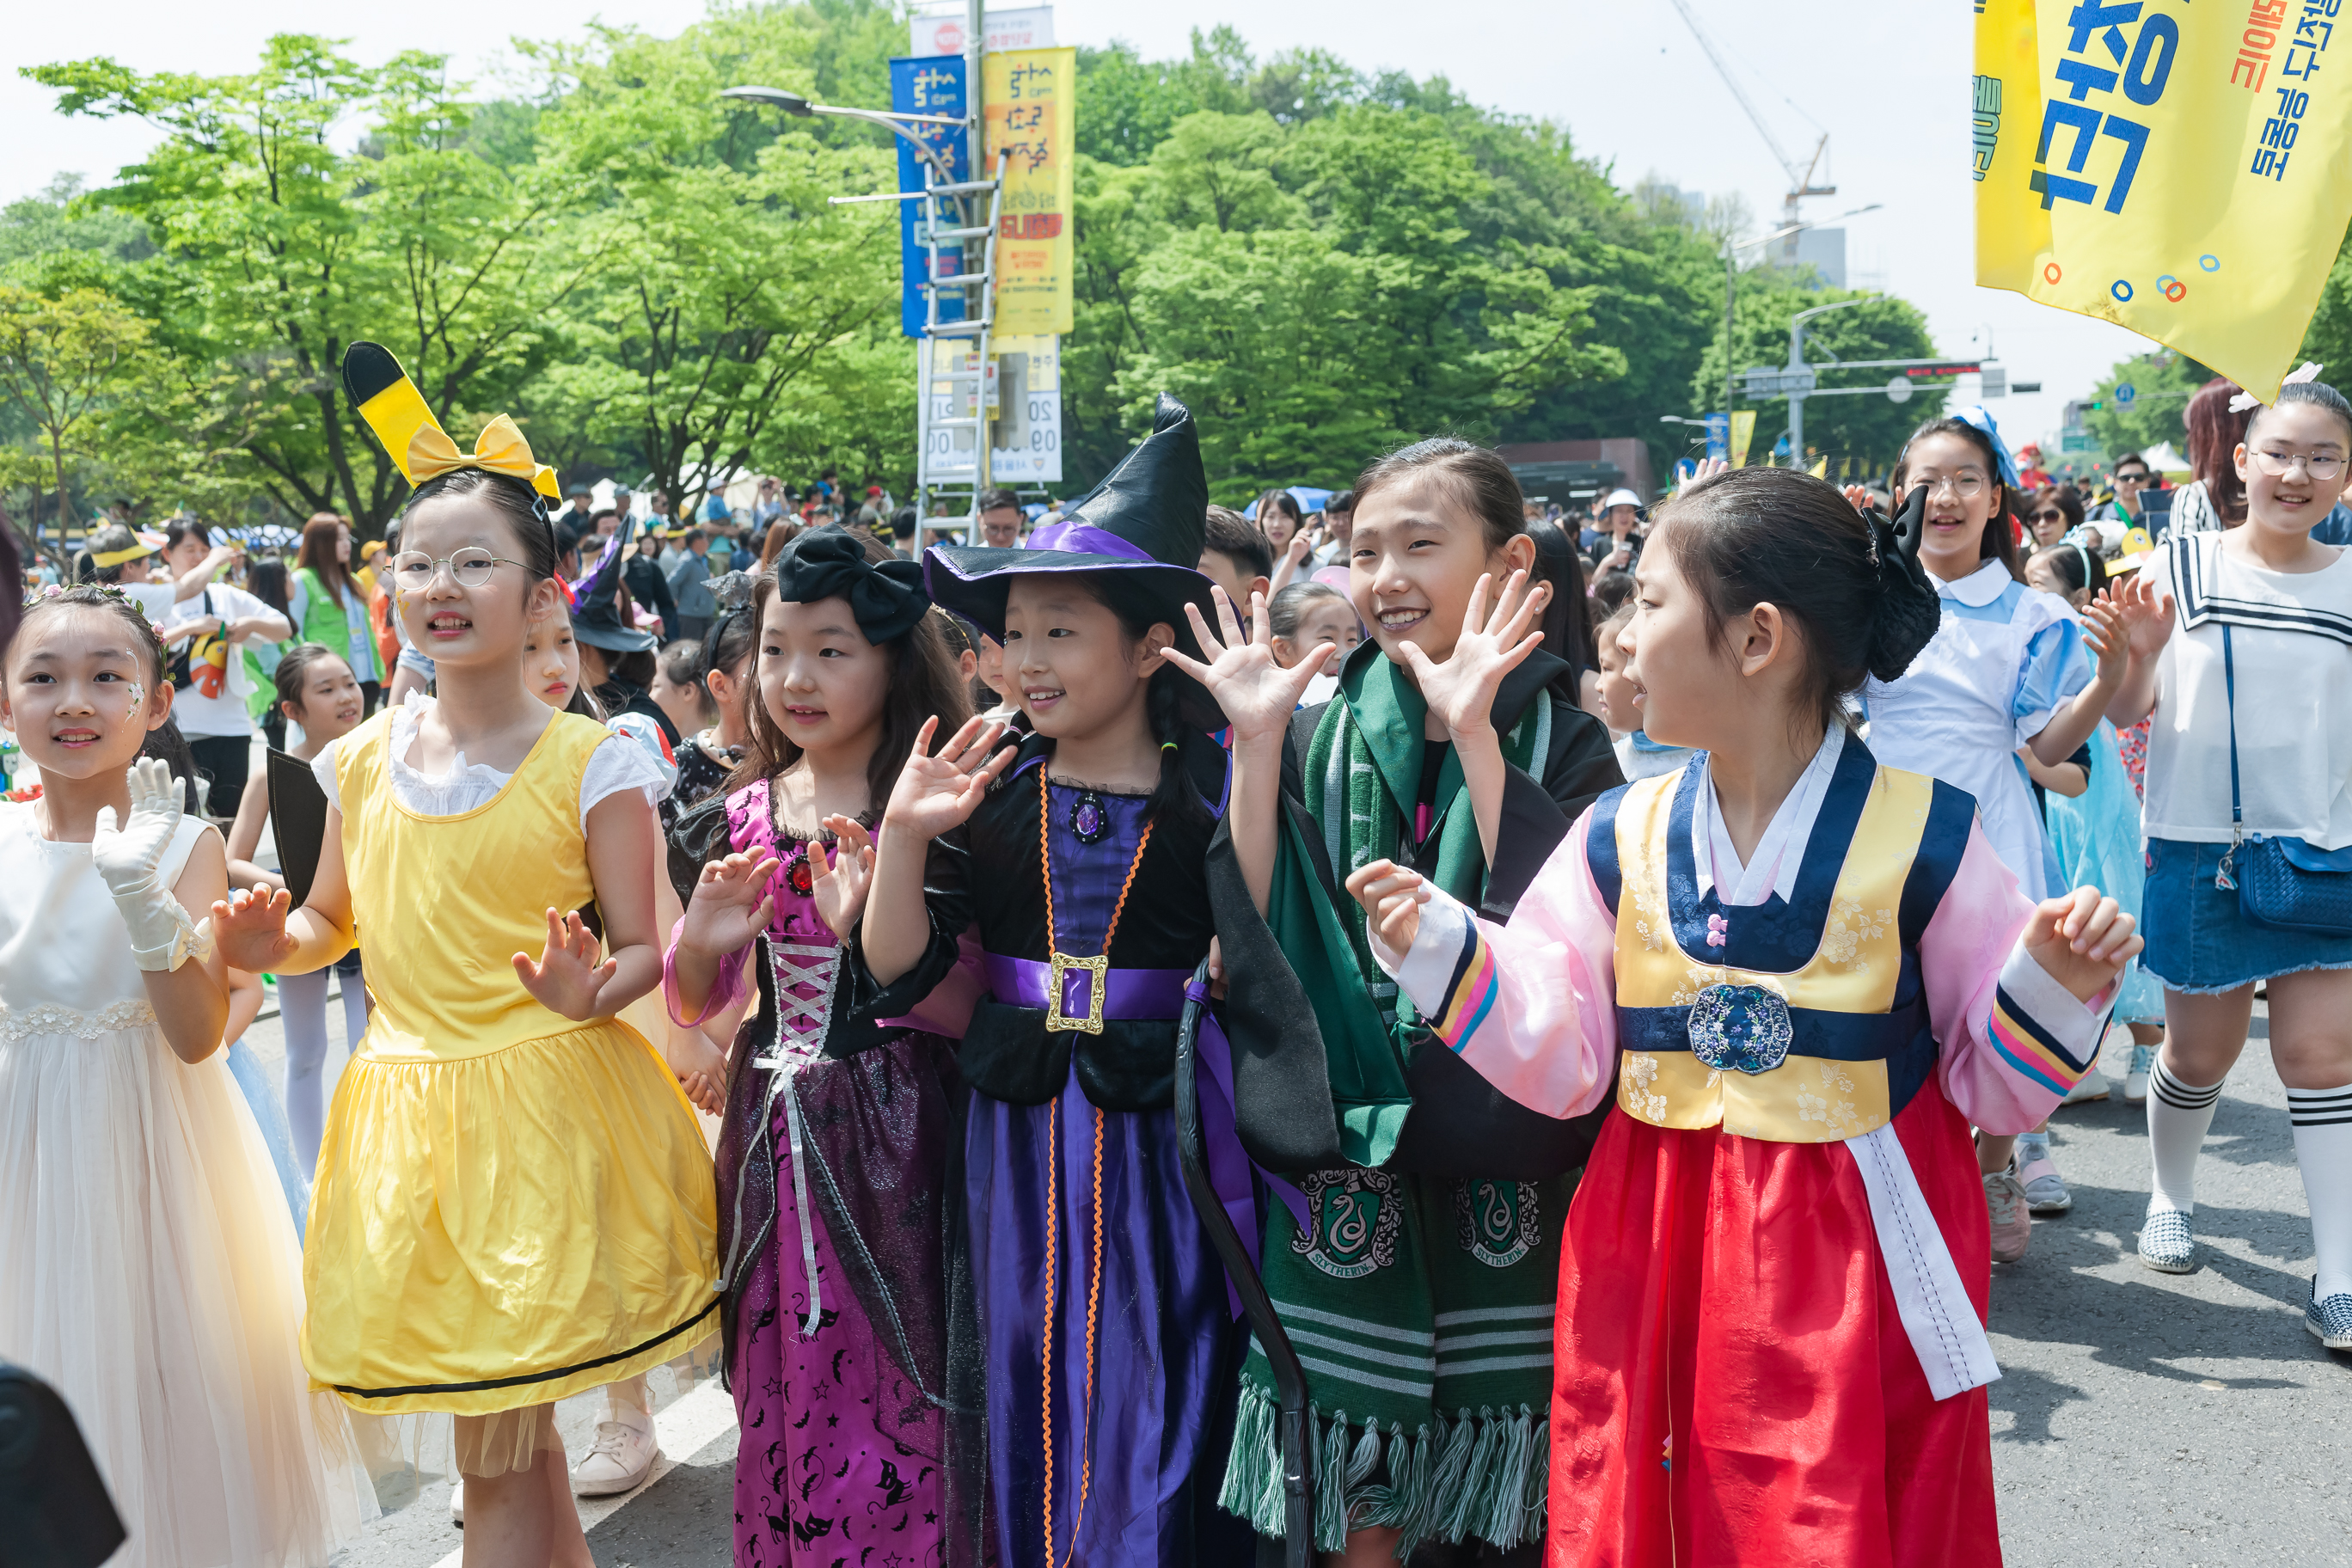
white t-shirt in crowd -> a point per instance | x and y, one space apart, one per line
2294 704
618 764
200 716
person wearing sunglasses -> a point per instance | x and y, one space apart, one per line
2134 484
2052 513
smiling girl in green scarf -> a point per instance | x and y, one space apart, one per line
1419 1293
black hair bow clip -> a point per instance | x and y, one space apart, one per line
1895 542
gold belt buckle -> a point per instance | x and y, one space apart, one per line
1097 969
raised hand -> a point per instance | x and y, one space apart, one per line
1391 896
1857 496
2106 636
935 793
1460 692
128 855
838 882
1707 469
2082 940
567 978
2146 614
249 928
732 904
1257 694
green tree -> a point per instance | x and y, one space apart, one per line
741 318
276 251
1859 435
2162 383
68 362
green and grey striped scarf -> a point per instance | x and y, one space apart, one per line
1421 1307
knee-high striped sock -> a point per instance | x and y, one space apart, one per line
2178 1116
2323 1147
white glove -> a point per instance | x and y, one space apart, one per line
163 935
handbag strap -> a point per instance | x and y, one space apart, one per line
2224 875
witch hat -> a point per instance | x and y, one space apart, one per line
595 601
1149 518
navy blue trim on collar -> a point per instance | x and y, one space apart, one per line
1777 936
1601 847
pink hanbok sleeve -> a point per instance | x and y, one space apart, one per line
1532 1006
2014 1041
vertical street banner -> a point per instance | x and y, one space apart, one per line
1030 100
2179 167
927 85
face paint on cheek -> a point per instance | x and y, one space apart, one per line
138 702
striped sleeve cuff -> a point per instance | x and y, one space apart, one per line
2042 1030
1450 972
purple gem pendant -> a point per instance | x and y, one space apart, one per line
1088 820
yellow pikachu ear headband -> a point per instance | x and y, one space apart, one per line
396 411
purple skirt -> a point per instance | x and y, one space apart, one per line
1134 1402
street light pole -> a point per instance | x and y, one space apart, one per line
1797 362
1730 271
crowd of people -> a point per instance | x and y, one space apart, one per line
1437 1029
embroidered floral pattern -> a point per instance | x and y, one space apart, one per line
1741 1027
1848 929
1641 1072
1838 1114
19 1024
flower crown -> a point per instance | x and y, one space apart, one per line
111 593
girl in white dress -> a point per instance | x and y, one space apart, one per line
2010 671
146 1267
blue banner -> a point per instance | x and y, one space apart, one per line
930 84
1718 436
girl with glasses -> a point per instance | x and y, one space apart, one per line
2239 644
2009 670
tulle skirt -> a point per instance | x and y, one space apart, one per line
150 1271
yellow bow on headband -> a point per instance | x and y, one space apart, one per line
396 411
499 449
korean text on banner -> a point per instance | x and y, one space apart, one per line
1030 100
2178 168
1025 400
931 85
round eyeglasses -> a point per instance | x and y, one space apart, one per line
471 567
2277 463
1967 485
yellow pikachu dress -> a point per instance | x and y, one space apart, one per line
510 1207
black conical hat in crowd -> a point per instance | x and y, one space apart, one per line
1150 517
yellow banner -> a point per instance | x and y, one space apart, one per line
1743 430
2181 169
1031 104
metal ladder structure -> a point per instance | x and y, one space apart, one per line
951 422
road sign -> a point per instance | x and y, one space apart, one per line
1769 382
2124 394
1719 438
1898 390
1935 369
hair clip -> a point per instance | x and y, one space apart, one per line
733 590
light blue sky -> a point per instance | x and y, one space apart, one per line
1888 83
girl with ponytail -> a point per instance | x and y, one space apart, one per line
1807 973
2009 671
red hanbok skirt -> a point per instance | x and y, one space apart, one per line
1732 1383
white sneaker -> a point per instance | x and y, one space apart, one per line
2143 1058
457 1502
623 1456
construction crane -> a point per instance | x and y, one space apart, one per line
1801 183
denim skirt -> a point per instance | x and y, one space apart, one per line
2197 940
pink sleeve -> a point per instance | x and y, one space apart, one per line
747 827
2013 1039
726 988
1531 1005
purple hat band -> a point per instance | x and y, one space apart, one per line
1086 539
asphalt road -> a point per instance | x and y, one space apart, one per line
2141 1418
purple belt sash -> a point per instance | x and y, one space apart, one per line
1149 994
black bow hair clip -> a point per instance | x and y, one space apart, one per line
1898 539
